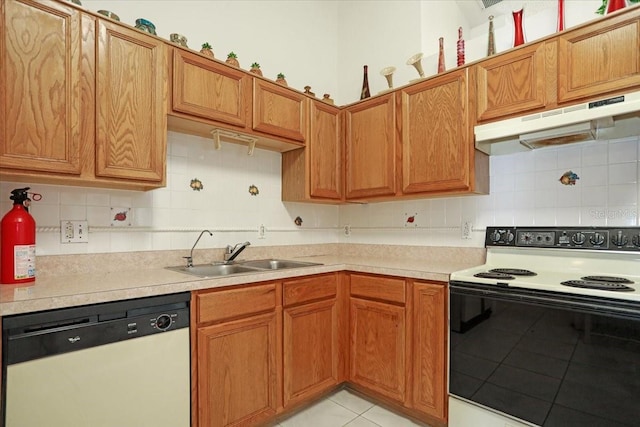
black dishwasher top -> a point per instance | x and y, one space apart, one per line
41 334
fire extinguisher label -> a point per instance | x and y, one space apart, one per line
24 261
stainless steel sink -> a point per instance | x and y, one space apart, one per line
277 264
214 270
254 266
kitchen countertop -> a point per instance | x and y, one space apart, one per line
57 290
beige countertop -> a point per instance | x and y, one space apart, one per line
57 288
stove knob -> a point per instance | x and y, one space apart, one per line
597 239
619 239
578 238
495 236
510 236
636 240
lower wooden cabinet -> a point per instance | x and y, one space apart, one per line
430 349
263 350
237 356
237 372
378 346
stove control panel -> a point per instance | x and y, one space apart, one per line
594 238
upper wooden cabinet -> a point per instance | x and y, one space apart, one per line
82 100
316 172
279 111
513 83
601 58
437 145
371 148
40 98
131 136
210 90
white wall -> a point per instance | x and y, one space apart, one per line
524 187
525 190
297 38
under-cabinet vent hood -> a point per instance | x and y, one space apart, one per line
608 118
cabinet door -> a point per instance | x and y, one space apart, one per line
437 147
310 350
430 349
512 83
278 111
325 151
131 134
378 347
207 89
599 59
237 372
370 158
40 66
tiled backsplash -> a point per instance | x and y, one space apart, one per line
525 190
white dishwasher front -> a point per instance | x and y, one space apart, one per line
139 377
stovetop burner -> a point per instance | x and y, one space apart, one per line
513 271
610 279
594 284
494 275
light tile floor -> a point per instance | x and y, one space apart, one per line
344 408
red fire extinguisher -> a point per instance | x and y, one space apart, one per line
18 241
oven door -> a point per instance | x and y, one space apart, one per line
545 358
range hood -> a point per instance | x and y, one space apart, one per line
608 118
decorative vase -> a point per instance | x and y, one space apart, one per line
460 48
387 72
491 45
560 15
327 98
613 5
518 31
307 91
281 80
145 25
365 93
178 39
441 67
415 60
255 69
232 59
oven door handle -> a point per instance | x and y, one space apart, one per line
582 303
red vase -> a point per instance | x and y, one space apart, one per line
518 32
613 5
560 15
441 67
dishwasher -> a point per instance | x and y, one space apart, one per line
115 364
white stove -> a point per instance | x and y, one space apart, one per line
599 262
547 331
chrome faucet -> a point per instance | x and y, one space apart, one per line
190 257
233 251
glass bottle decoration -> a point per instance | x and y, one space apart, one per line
560 15
441 67
365 93
613 5
491 46
518 31
460 47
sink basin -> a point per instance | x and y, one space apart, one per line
254 266
214 270
277 264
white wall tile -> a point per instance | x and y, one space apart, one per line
623 151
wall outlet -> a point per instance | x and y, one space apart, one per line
74 231
262 231
347 230
466 229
